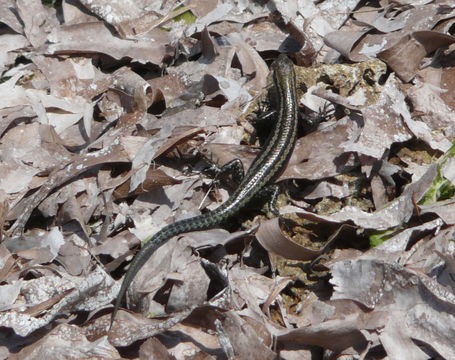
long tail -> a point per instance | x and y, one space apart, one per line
201 222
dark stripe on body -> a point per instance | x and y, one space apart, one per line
266 168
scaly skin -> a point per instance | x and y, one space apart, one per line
267 167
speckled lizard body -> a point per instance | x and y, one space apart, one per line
266 168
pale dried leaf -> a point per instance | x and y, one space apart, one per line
38 290
68 341
77 39
8 295
383 125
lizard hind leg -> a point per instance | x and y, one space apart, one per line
233 168
270 194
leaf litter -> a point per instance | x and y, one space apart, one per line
110 111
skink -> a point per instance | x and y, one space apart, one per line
266 168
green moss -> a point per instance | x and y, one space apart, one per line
378 237
187 17
441 188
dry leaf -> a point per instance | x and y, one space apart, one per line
109 112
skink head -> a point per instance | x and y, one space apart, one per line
283 68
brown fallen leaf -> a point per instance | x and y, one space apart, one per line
172 281
91 92
155 178
403 295
73 39
94 290
153 349
8 296
395 213
315 158
8 263
342 335
272 239
37 309
63 173
241 338
37 19
138 327
383 124
67 341
405 56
